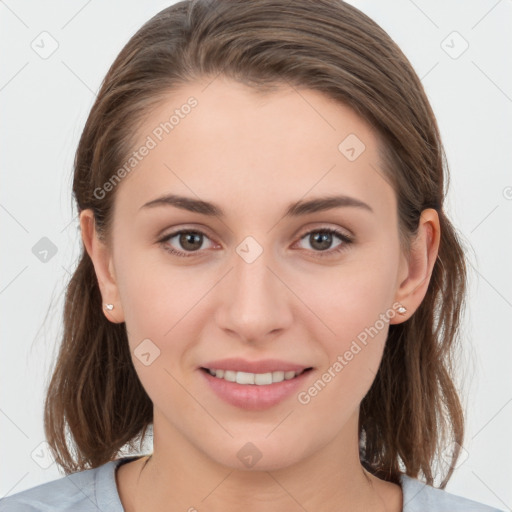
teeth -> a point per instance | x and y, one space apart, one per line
245 378
259 379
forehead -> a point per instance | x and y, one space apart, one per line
249 149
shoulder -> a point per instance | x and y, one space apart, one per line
91 489
420 497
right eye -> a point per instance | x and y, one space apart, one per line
190 240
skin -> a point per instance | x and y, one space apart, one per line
253 155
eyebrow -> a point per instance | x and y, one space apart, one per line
296 209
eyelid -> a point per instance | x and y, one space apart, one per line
318 226
324 226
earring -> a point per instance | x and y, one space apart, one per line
110 307
402 310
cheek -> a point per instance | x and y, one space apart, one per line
354 305
353 351
155 294
160 307
352 296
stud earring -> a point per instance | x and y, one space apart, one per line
402 310
110 307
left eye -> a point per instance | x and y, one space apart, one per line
192 241
322 239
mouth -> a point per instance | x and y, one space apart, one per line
270 383
254 385
254 379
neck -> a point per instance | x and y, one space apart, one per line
332 478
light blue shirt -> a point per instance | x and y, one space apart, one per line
96 490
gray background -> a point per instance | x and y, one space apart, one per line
44 102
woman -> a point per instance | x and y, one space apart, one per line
269 280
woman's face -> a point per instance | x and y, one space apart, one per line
260 280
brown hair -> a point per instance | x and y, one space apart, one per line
412 411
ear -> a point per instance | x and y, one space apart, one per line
101 257
416 268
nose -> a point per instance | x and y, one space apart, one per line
254 300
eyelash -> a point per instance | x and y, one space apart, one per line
321 254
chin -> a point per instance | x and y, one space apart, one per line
258 454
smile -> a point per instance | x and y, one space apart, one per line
255 391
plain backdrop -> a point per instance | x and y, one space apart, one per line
460 50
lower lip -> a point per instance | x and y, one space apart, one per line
253 397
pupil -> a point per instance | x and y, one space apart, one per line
324 239
187 240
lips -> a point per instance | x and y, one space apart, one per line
261 393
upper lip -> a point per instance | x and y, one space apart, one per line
263 366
